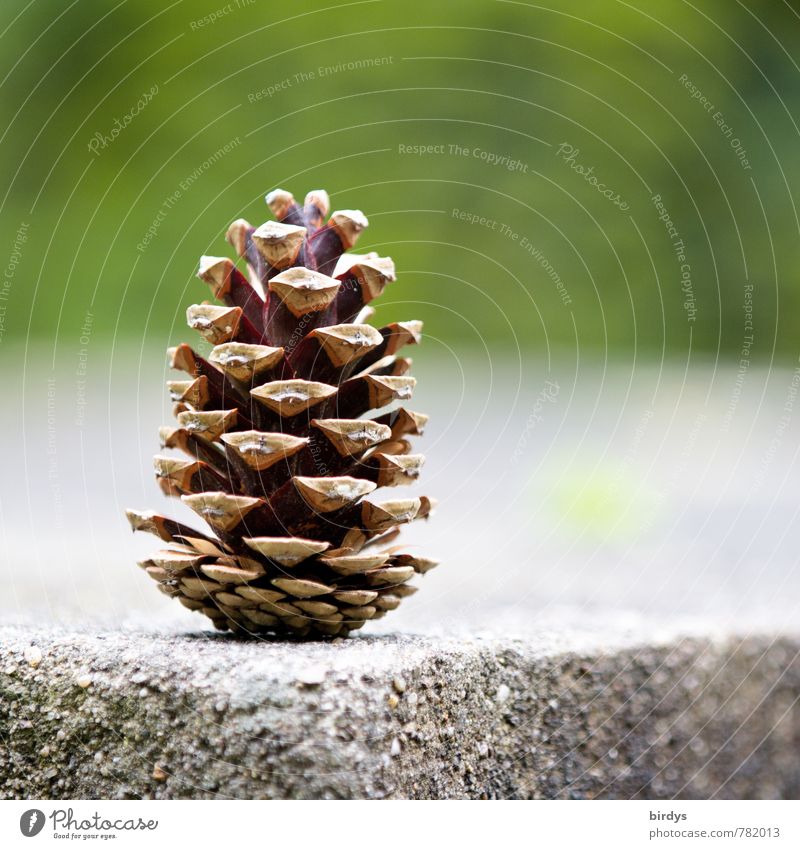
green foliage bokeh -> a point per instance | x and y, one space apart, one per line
367 83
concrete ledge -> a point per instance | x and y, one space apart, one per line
129 715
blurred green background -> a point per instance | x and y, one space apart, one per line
527 115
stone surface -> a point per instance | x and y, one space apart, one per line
570 525
610 711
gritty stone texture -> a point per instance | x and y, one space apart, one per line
129 714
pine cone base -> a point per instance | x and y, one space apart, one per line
246 595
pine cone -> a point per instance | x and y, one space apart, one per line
279 456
